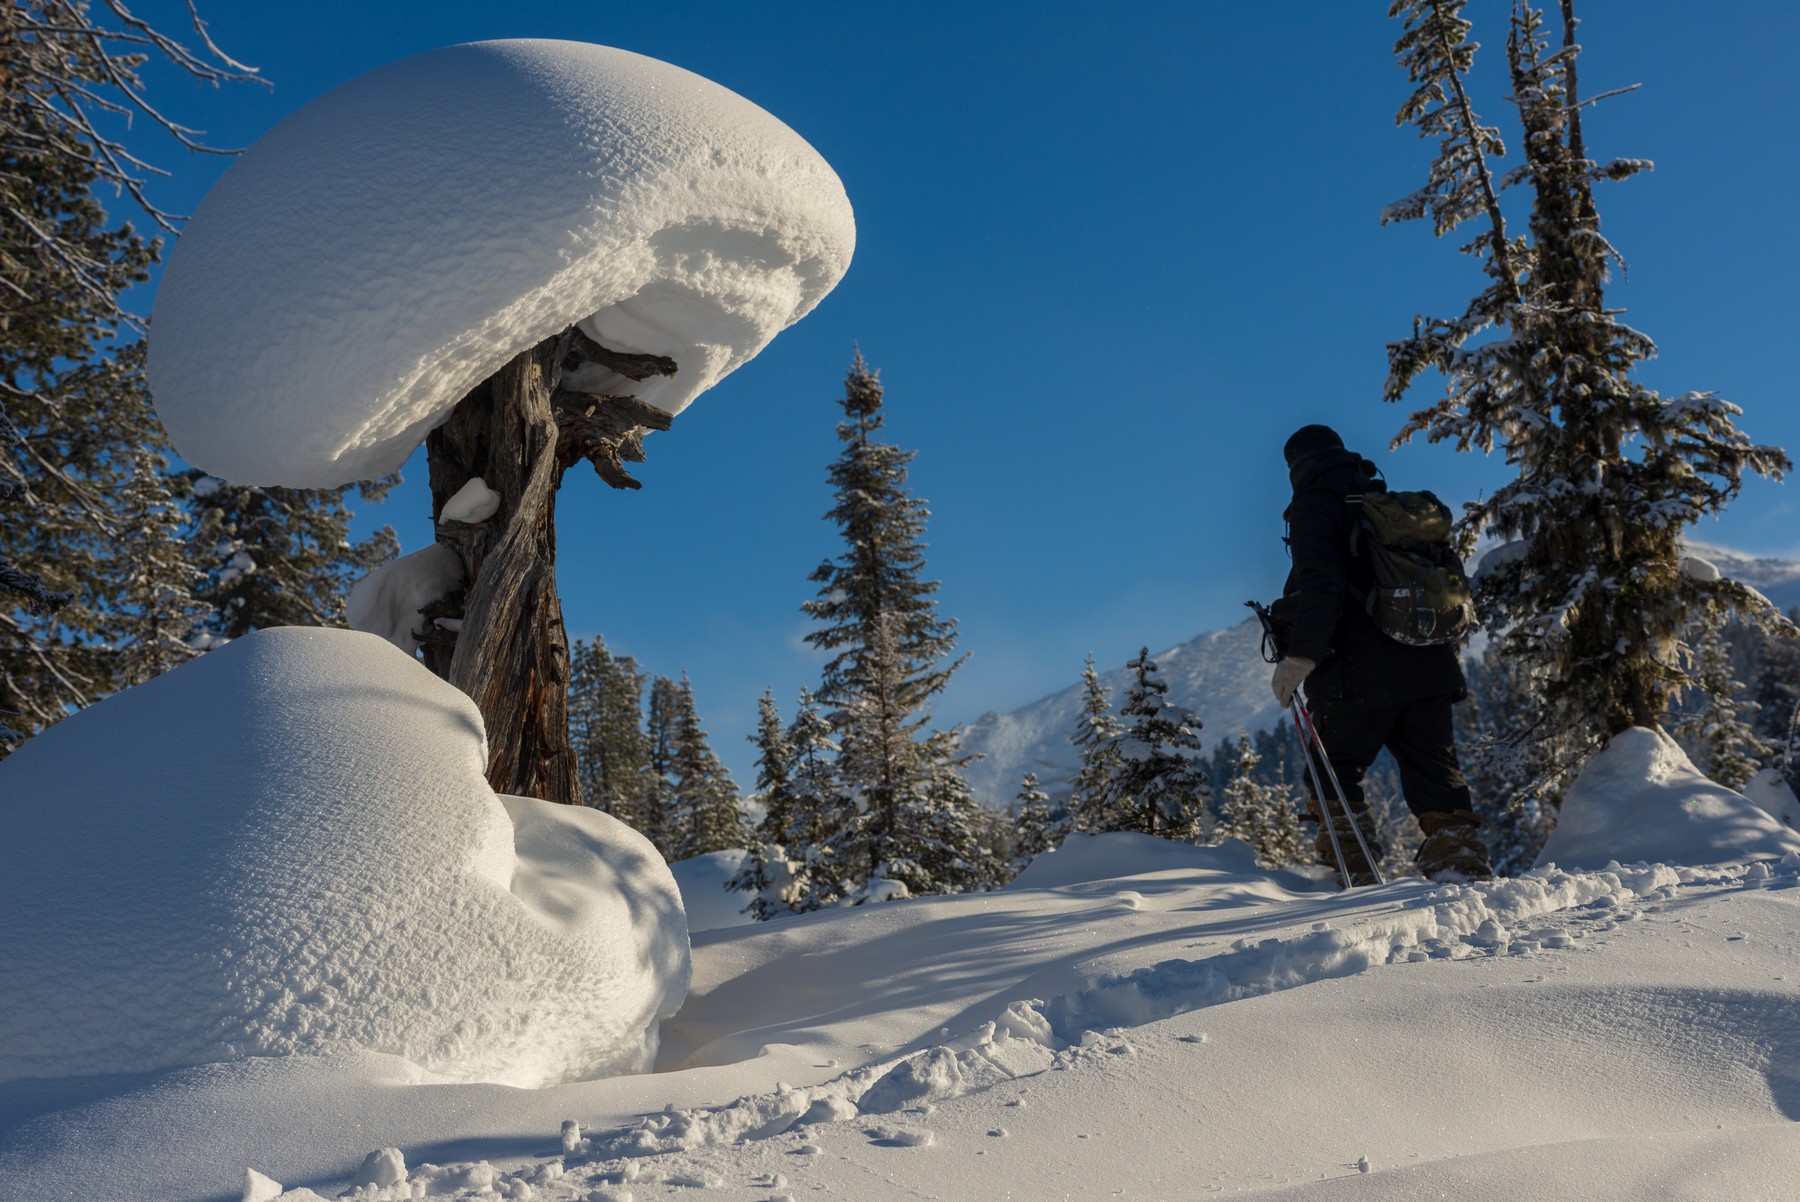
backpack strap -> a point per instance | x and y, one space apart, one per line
1356 524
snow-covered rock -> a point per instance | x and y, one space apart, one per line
400 238
1641 800
1770 792
288 846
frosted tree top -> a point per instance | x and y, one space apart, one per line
390 245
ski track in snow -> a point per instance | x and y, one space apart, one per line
1547 912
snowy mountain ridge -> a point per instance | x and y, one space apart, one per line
1220 675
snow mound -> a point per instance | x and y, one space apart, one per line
387 601
1769 792
1641 800
288 846
702 880
399 239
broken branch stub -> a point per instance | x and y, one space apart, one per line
629 364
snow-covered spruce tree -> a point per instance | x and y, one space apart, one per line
820 874
657 807
1720 726
278 556
705 812
1517 777
766 873
916 822
1776 691
1590 595
159 622
606 726
64 264
1095 729
72 459
1264 816
1157 786
1034 831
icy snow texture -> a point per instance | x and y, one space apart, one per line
288 846
386 602
400 238
1642 801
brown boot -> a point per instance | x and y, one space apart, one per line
1452 852
1360 872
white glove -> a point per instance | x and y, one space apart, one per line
1288 675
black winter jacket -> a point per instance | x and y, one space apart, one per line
1322 604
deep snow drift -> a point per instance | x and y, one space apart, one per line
1171 1031
399 239
1132 1018
288 846
1642 799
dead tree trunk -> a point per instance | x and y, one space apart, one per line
501 639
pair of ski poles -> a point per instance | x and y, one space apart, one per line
1310 743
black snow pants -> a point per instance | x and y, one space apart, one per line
1422 740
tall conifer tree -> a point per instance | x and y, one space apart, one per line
1590 593
915 821
661 723
1158 786
606 728
159 619
1721 726
1095 729
1265 816
1034 830
280 556
705 814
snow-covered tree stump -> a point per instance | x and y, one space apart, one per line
503 642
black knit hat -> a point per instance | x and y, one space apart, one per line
1308 439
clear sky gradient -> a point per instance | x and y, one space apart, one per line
1108 258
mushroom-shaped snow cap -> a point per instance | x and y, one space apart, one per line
395 242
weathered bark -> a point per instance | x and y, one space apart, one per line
505 645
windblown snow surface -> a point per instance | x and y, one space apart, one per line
396 241
1132 1018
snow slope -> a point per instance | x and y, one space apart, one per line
1167 1031
1220 676
1776 578
288 847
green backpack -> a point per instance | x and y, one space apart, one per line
1421 595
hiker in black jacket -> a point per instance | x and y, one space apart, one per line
1365 690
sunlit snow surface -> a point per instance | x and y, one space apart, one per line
1643 799
288 847
397 240
1147 1022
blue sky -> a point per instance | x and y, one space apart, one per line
1108 258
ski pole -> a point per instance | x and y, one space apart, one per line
1301 712
1318 788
